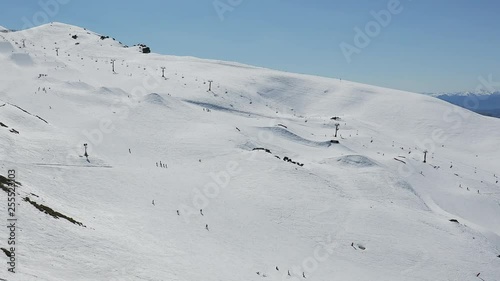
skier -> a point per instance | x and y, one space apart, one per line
86 154
201 212
206 227
178 212
153 202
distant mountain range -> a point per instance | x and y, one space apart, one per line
483 103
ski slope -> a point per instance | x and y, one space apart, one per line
365 208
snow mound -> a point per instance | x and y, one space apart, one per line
111 91
286 134
406 186
154 98
6 47
216 107
21 59
357 161
77 85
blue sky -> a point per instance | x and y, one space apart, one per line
426 46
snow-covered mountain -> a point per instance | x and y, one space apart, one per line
242 182
480 102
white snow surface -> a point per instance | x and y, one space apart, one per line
262 212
